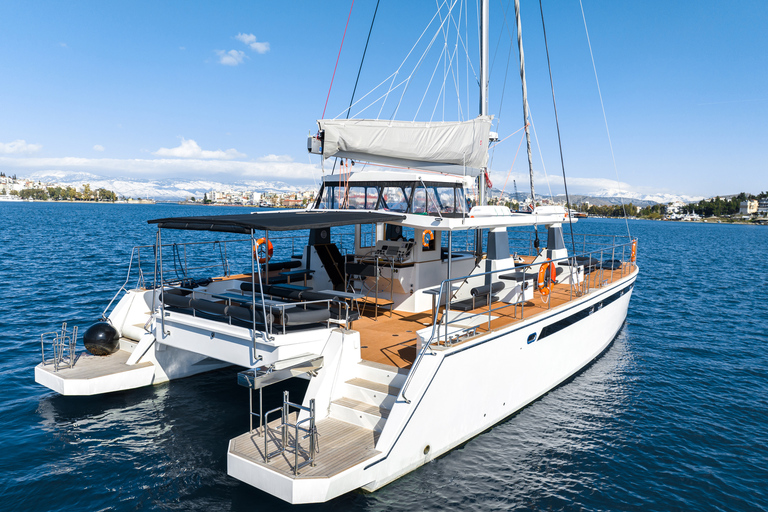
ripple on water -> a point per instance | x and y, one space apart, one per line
671 417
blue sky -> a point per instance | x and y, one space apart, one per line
229 90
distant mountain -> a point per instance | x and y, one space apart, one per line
163 189
178 189
611 197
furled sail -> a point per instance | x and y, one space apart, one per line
450 147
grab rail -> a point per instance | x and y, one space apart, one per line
62 347
310 432
582 288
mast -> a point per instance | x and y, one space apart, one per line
525 96
484 51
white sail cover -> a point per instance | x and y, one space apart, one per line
451 147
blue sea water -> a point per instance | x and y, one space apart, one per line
674 416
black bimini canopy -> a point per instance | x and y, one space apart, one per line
276 221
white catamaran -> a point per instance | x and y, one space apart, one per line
414 321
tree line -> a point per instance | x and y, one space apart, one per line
720 207
67 194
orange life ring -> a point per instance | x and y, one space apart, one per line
269 252
426 237
633 256
545 285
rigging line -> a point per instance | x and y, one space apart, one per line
605 118
504 86
541 156
443 91
397 72
508 136
337 58
383 96
468 61
421 59
511 166
440 95
365 96
557 124
365 50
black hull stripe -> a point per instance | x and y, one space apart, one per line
608 300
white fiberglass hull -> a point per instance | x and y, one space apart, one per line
472 388
458 392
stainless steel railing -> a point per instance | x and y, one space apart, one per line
442 334
62 347
282 429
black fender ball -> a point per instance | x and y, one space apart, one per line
101 339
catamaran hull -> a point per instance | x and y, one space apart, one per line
457 393
493 379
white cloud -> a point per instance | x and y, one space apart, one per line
63 45
98 147
191 149
230 58
276 158
19 146
196 168
250 40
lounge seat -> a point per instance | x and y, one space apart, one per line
480 297
301 316
611 264
281 265
175 300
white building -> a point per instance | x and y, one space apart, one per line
748 207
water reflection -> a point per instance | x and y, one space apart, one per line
543 457
158 447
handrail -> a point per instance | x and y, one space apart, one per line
446 285
310 432
63 345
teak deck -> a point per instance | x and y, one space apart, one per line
391 340
342 445
88 366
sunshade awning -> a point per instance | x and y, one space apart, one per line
276 221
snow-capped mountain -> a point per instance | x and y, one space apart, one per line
655 198
162 189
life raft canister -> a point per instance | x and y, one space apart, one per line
267 253
543 284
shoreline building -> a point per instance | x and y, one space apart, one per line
748 207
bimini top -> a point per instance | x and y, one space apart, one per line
276 221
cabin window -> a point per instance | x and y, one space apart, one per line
394 199
437 200
444 199
323 202
419 204
371 197
461 201
356 199
332 197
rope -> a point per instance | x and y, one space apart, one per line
337 59
359 70
557 124
511 166
365 50
605 119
